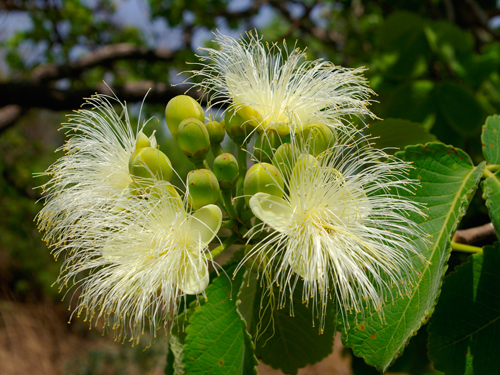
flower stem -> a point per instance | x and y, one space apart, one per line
247 215
228 242
228 204
216 149
465 248
242 166
487 173
493 168
228 224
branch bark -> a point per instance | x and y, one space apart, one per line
101 56
476 234
30 95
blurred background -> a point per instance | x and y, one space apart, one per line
433 62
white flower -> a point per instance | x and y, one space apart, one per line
128 242
343 227
137 269
267 84
94 172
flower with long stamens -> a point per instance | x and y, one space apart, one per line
86 181
268 84
126 236
343 227
140 262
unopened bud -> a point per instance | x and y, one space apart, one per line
281 127
226 170
203 188
193 139
284 159
316 138
180 108
267 143
263 178
216 131
149 162
304 162
236 127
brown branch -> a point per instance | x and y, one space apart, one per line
101 56
476 234
30 95
9 115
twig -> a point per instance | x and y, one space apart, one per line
472 235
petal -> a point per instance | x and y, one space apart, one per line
272 210
205 223
196 277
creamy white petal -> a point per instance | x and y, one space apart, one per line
205 223
274 211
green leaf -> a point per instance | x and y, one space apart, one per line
399 133
284 342
467 317
448 180
460 108
491 193
217 341
491 140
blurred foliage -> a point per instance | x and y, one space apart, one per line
435 63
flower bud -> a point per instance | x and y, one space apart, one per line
193 139
142 141
180 108
236 127
284 159
226 170
266 145
263 178
148 162
216 131
304 162
281 127
316 138
203 188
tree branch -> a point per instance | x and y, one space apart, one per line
9 115
476 234
101 56
30 95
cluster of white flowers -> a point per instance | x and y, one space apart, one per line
335 220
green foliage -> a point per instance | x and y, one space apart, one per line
286 338
216 339
398 133
448 180
491 140
491 193
464 327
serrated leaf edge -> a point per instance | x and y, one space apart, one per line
461 212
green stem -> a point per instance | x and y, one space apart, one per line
198 164
216 149
465 248
242 166
493 168
228 242
487 173
205 164
247 215
228 204
228 224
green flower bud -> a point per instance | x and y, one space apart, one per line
203 188
284 159
226 170
281 127
236 127
193 139
316 138
216 131
149 162
180 108
263 178
304 162
142 141
266 145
